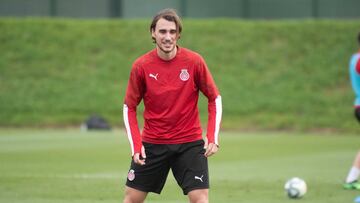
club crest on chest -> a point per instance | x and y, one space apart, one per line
184 75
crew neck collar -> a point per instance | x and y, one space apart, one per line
178 51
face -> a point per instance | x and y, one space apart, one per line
165 35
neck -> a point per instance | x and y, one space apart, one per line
167 56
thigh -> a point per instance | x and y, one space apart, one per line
150 177
190 167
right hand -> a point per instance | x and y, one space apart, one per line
140 159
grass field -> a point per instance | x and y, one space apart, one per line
71 166
283 71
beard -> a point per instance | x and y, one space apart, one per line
166 51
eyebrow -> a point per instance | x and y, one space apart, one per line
163 29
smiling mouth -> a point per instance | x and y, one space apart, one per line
167 45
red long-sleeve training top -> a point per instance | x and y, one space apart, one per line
170 91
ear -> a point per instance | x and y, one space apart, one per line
152 33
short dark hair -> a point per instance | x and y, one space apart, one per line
168 14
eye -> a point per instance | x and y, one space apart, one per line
162 31
172 31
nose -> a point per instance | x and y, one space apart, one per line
167 36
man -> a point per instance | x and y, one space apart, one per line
353 175
168 80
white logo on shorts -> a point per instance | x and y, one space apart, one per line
199 178
131 175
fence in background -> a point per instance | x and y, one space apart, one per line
249 9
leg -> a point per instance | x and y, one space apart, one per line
199 196
354 172
351 181
357 160
134 196
150 177
190 169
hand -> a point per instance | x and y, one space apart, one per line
211 149
140 160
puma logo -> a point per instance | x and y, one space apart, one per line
199 178
153 76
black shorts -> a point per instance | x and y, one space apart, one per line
187 162
357 113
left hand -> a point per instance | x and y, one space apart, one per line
211 149
139 158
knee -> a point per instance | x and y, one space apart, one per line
130 199
134 196
199 196
201 200
127 200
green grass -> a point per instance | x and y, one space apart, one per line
293 73
52 166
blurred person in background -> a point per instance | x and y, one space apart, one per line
355 78
168 80
351 181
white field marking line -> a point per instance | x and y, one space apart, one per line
70 176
